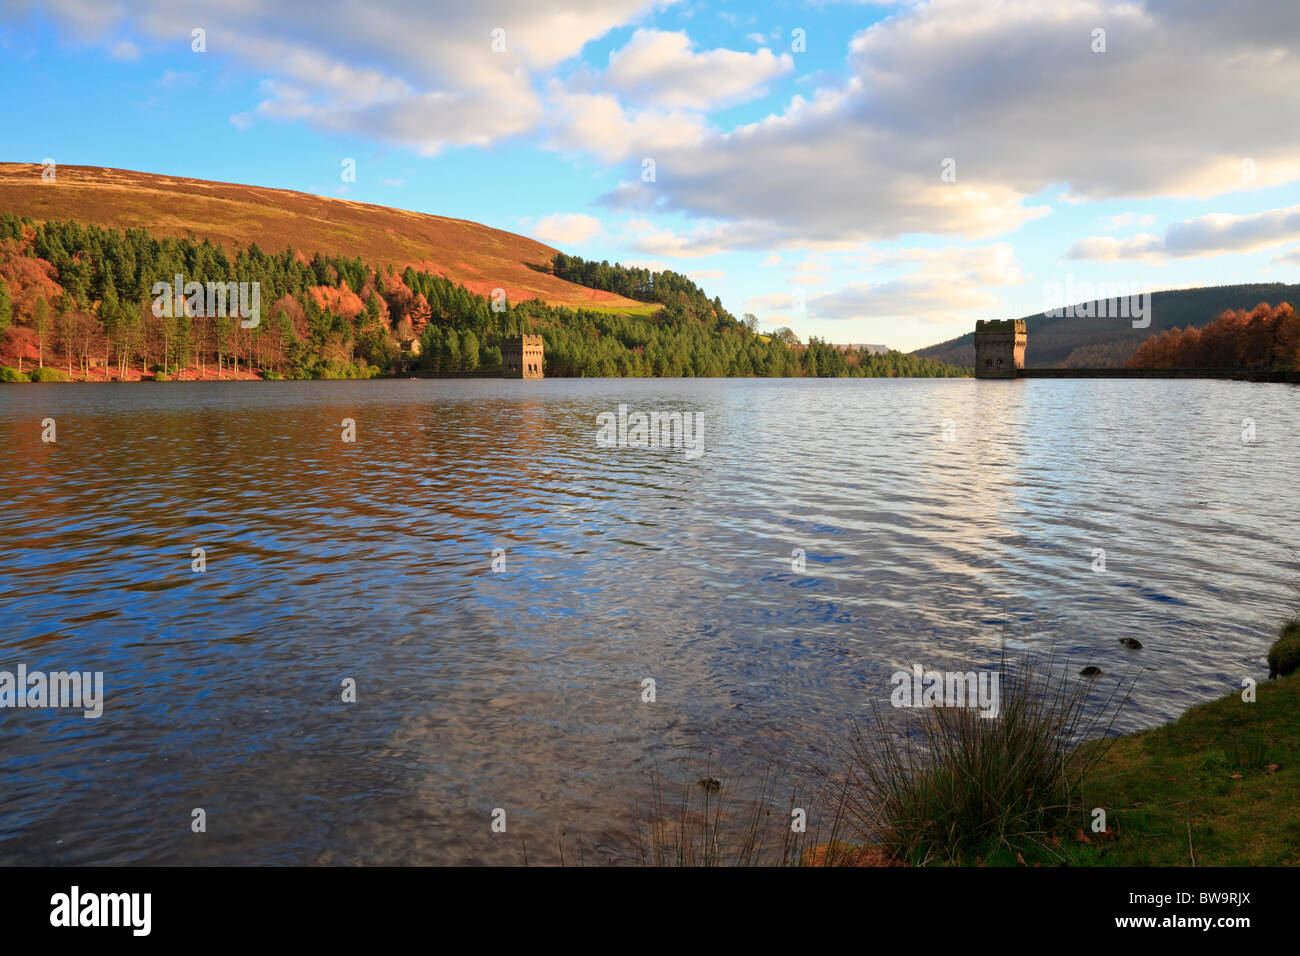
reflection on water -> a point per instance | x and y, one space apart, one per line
522 690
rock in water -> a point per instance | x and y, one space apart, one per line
1090 671
1132 642
711 784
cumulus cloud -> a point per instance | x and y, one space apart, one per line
705 240
597 123
653 96
565 228
1215 234
663 68
1014 94
406 72
944 284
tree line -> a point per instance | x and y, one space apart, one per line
1265 338
82 297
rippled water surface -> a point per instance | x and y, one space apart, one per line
522 690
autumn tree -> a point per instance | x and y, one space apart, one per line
41 319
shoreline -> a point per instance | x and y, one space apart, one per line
1219 785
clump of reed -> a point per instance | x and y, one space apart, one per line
961 786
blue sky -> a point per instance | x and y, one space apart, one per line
802 177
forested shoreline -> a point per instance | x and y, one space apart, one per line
79 301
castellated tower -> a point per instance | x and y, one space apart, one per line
999 347
522 357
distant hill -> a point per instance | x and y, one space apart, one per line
468 253
1108 342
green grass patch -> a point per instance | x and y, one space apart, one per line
1220 786
644 311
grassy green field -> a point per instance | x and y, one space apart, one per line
645 310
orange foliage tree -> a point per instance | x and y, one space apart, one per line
1266 337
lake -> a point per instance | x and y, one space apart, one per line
936 519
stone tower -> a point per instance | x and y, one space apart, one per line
999 347
522 357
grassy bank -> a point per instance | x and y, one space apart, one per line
1219 786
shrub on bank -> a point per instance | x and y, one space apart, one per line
1284 655
48 374
8 374
330 369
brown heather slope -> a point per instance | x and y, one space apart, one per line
479 257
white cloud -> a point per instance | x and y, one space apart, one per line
1014 94
1144 246
566 228
706 240
945 284
706 274
1214 234
663 69
125 50
598 124
406 72
653 96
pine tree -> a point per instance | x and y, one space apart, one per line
468 351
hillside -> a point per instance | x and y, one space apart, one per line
473 255
1108 342
337 289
